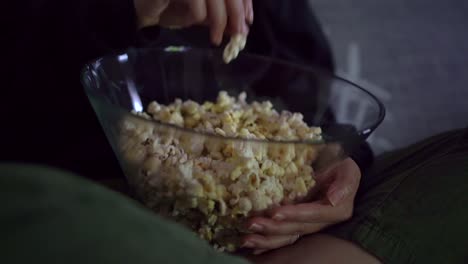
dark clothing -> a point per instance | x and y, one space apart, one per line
49 117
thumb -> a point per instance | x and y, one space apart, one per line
337 193
345 183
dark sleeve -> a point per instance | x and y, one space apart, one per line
363 156
289 30
76 30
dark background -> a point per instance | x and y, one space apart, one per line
413 54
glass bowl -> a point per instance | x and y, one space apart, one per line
209 182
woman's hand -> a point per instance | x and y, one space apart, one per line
288 223
222 16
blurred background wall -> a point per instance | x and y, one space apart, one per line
413 54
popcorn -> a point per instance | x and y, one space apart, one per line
245 205
234 47
209 183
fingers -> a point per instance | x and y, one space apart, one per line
183 13
260 251
267 226
198 11
149 13
263 243
217 17
309 212
222 16
236 15
230 16
249 13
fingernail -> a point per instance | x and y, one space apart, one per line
336 197
245 29
248 244
256 228
279 217
248 17
219 40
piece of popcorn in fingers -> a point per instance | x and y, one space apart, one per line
234 47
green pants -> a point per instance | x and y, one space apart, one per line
412 207
50 216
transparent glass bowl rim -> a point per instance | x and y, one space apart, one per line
212 52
